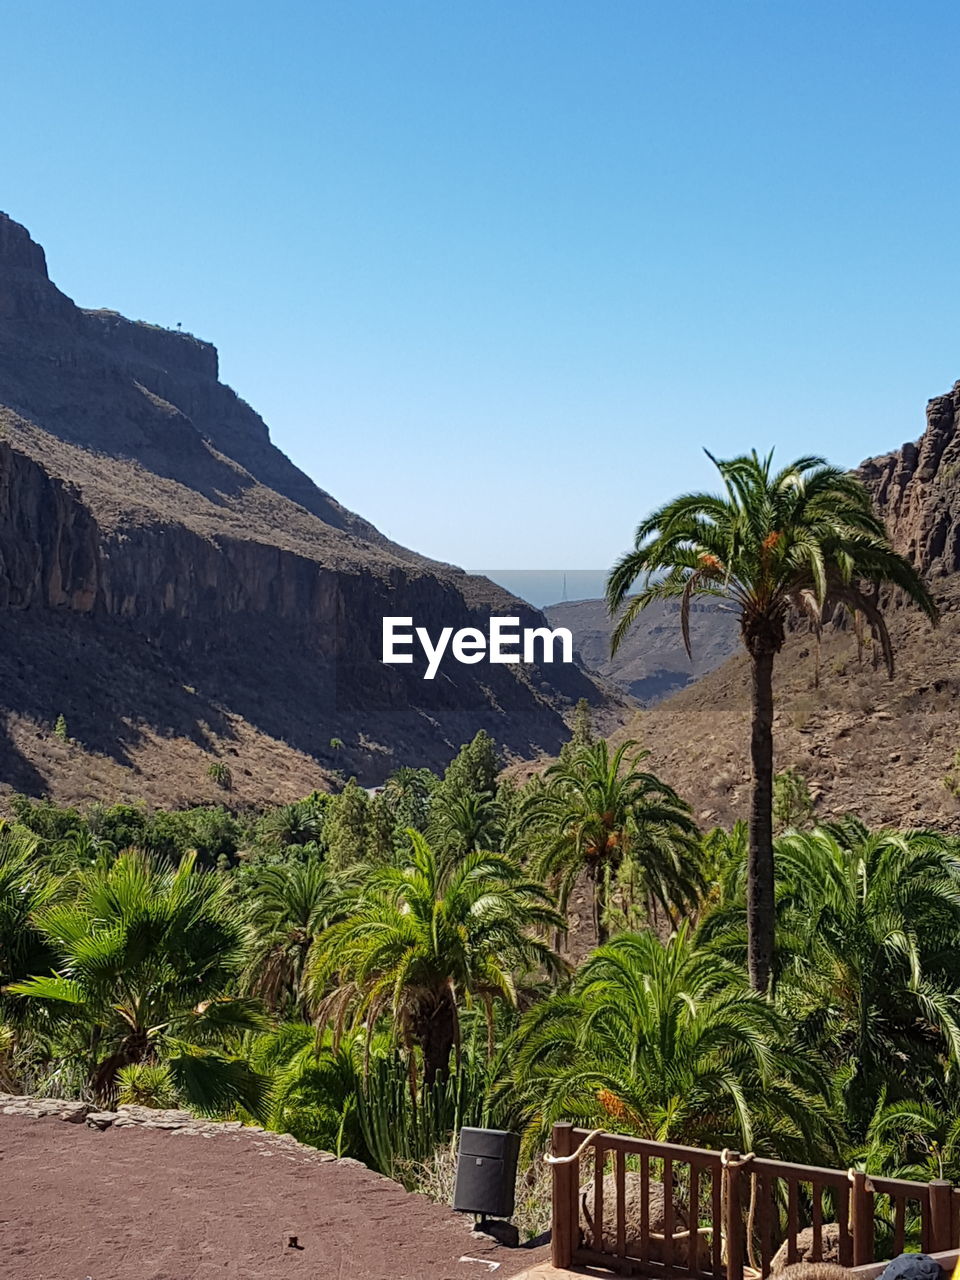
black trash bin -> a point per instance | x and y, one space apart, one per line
486 1172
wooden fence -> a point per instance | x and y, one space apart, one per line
656 1208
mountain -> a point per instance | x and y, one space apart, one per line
181 594
883 749
651 663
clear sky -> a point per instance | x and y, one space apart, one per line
495 271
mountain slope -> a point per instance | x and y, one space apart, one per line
651 663
152 539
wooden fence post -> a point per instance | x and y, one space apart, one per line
563 1228
941 1216
734 1217
861 1219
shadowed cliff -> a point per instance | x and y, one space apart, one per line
152 539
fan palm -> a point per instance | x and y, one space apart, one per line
26 886
669 1043
145 955
422 937
597 810
802 540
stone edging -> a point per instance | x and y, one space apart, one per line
178 1122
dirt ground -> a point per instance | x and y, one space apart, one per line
140 1204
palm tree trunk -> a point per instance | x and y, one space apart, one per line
760 913
437 1034
600 909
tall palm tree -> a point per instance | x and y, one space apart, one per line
668 1042
288 907
423 937
145 958
597 810
802 540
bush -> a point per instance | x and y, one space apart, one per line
219 772
146 1085
792 801
46 819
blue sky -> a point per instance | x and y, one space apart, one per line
494 273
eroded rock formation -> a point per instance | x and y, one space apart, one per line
917 488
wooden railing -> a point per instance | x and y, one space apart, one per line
655 1207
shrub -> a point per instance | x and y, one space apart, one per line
219 772
792 801
145 1084
801 712
44 818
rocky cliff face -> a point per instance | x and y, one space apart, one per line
143 498
917 488
49 541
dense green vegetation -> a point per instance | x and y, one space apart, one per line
371 971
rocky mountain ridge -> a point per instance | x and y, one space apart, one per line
154 540
917 489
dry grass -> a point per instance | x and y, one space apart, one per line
437 1176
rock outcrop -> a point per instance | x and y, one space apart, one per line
143 498
917 489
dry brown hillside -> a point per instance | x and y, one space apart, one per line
875 747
